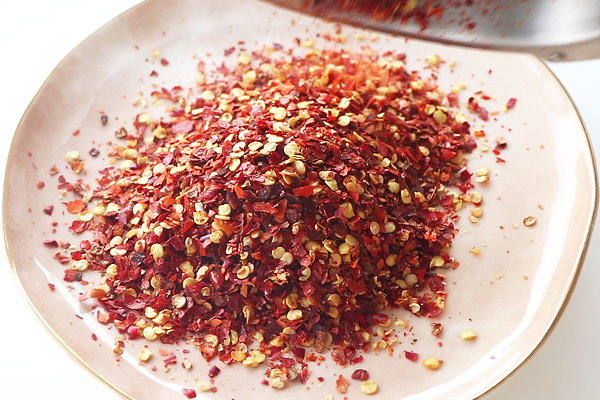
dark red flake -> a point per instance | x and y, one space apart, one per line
213 371
411 356
360 375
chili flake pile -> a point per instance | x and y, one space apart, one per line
284 210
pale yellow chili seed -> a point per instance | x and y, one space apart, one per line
80 265
405 196
149 333
244 59
72 156
150 312
112 270
476 198
85 216
344 248
440 117
374 228
188 282
468 335
393 187
279 113
369 387
287 258
344 120
432 59
144 354
178 301
204 386
431 363
243 272
157 251
529 221
294 315
477 212
482 171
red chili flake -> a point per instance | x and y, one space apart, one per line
40 185
72 275
214 371
412 356
474 106
189 393
76 206
511 103
164 62
52 286
153 74
79 226
360 375
76 133
170 359
103 318
471 25
94 337
341 384
48 210
51 243
62 258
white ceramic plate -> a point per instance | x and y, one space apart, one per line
510 295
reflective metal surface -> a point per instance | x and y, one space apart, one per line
557 30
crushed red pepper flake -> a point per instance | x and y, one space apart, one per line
76 206
288 206
360 375
189 393
341 384
412 356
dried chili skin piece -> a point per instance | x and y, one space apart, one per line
261 217
360 375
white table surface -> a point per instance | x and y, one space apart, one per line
36 34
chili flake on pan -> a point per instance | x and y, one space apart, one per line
284 210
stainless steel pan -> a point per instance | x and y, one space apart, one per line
557 30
